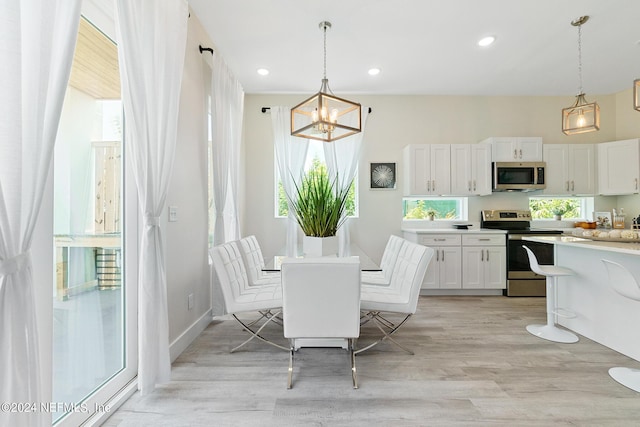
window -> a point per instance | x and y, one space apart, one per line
453 208
315 161
570 208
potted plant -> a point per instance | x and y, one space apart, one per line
431 213
558 211
319 209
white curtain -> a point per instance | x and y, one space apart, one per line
227 108
342 158
151 51
291 154
37 40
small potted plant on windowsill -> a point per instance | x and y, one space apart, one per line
431 213
558 212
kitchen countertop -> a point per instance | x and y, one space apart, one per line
630 248
452 231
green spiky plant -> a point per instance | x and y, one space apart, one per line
319 207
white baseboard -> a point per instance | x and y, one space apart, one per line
460 292
191 333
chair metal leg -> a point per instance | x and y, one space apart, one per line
386 335
290 379
256 334
354 373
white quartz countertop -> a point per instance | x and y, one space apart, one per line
619 247
451 230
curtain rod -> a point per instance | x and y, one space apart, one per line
202 49
265 109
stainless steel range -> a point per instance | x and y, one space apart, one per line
521 281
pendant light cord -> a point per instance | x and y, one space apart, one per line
580 58
325 51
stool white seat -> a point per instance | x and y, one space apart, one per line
623 282
550 331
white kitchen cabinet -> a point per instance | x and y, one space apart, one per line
444 270
484 261
515 149
571 169
619 167
426 169
470 169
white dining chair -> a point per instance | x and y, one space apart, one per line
239 297
389 257
400 297
254 262
321 305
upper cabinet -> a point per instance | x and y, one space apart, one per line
515 149
470 169
426 169
619 167
570 169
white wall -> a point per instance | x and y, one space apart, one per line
186 250
400 120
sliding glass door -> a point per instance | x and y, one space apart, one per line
94 241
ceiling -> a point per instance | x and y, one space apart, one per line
95 64
427 46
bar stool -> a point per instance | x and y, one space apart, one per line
550 331
623 282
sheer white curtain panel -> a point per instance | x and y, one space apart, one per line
37 40
342 158
291 154
227 108
151 52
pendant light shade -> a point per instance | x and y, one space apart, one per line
636 94
324 116
582 116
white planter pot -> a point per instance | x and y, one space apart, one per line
319 246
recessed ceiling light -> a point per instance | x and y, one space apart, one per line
263 71
374 71
486 41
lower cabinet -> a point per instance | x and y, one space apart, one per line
444 271
464 261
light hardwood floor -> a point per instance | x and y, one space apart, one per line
475 365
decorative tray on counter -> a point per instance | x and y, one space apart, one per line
621 236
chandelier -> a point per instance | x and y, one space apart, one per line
582 116
324 116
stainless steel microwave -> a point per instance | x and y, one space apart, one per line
518 176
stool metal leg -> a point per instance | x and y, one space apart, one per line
550 331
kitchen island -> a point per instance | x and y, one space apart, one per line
602 315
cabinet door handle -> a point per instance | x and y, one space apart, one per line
567 185
521 153
437 255
636 180
487 255
484 239
515 153
474 185
572 186
428 186
433 185
481 255
443 255
469 186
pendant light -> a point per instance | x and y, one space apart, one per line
582 116
324 116
636 94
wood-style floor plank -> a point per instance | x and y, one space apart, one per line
474 365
